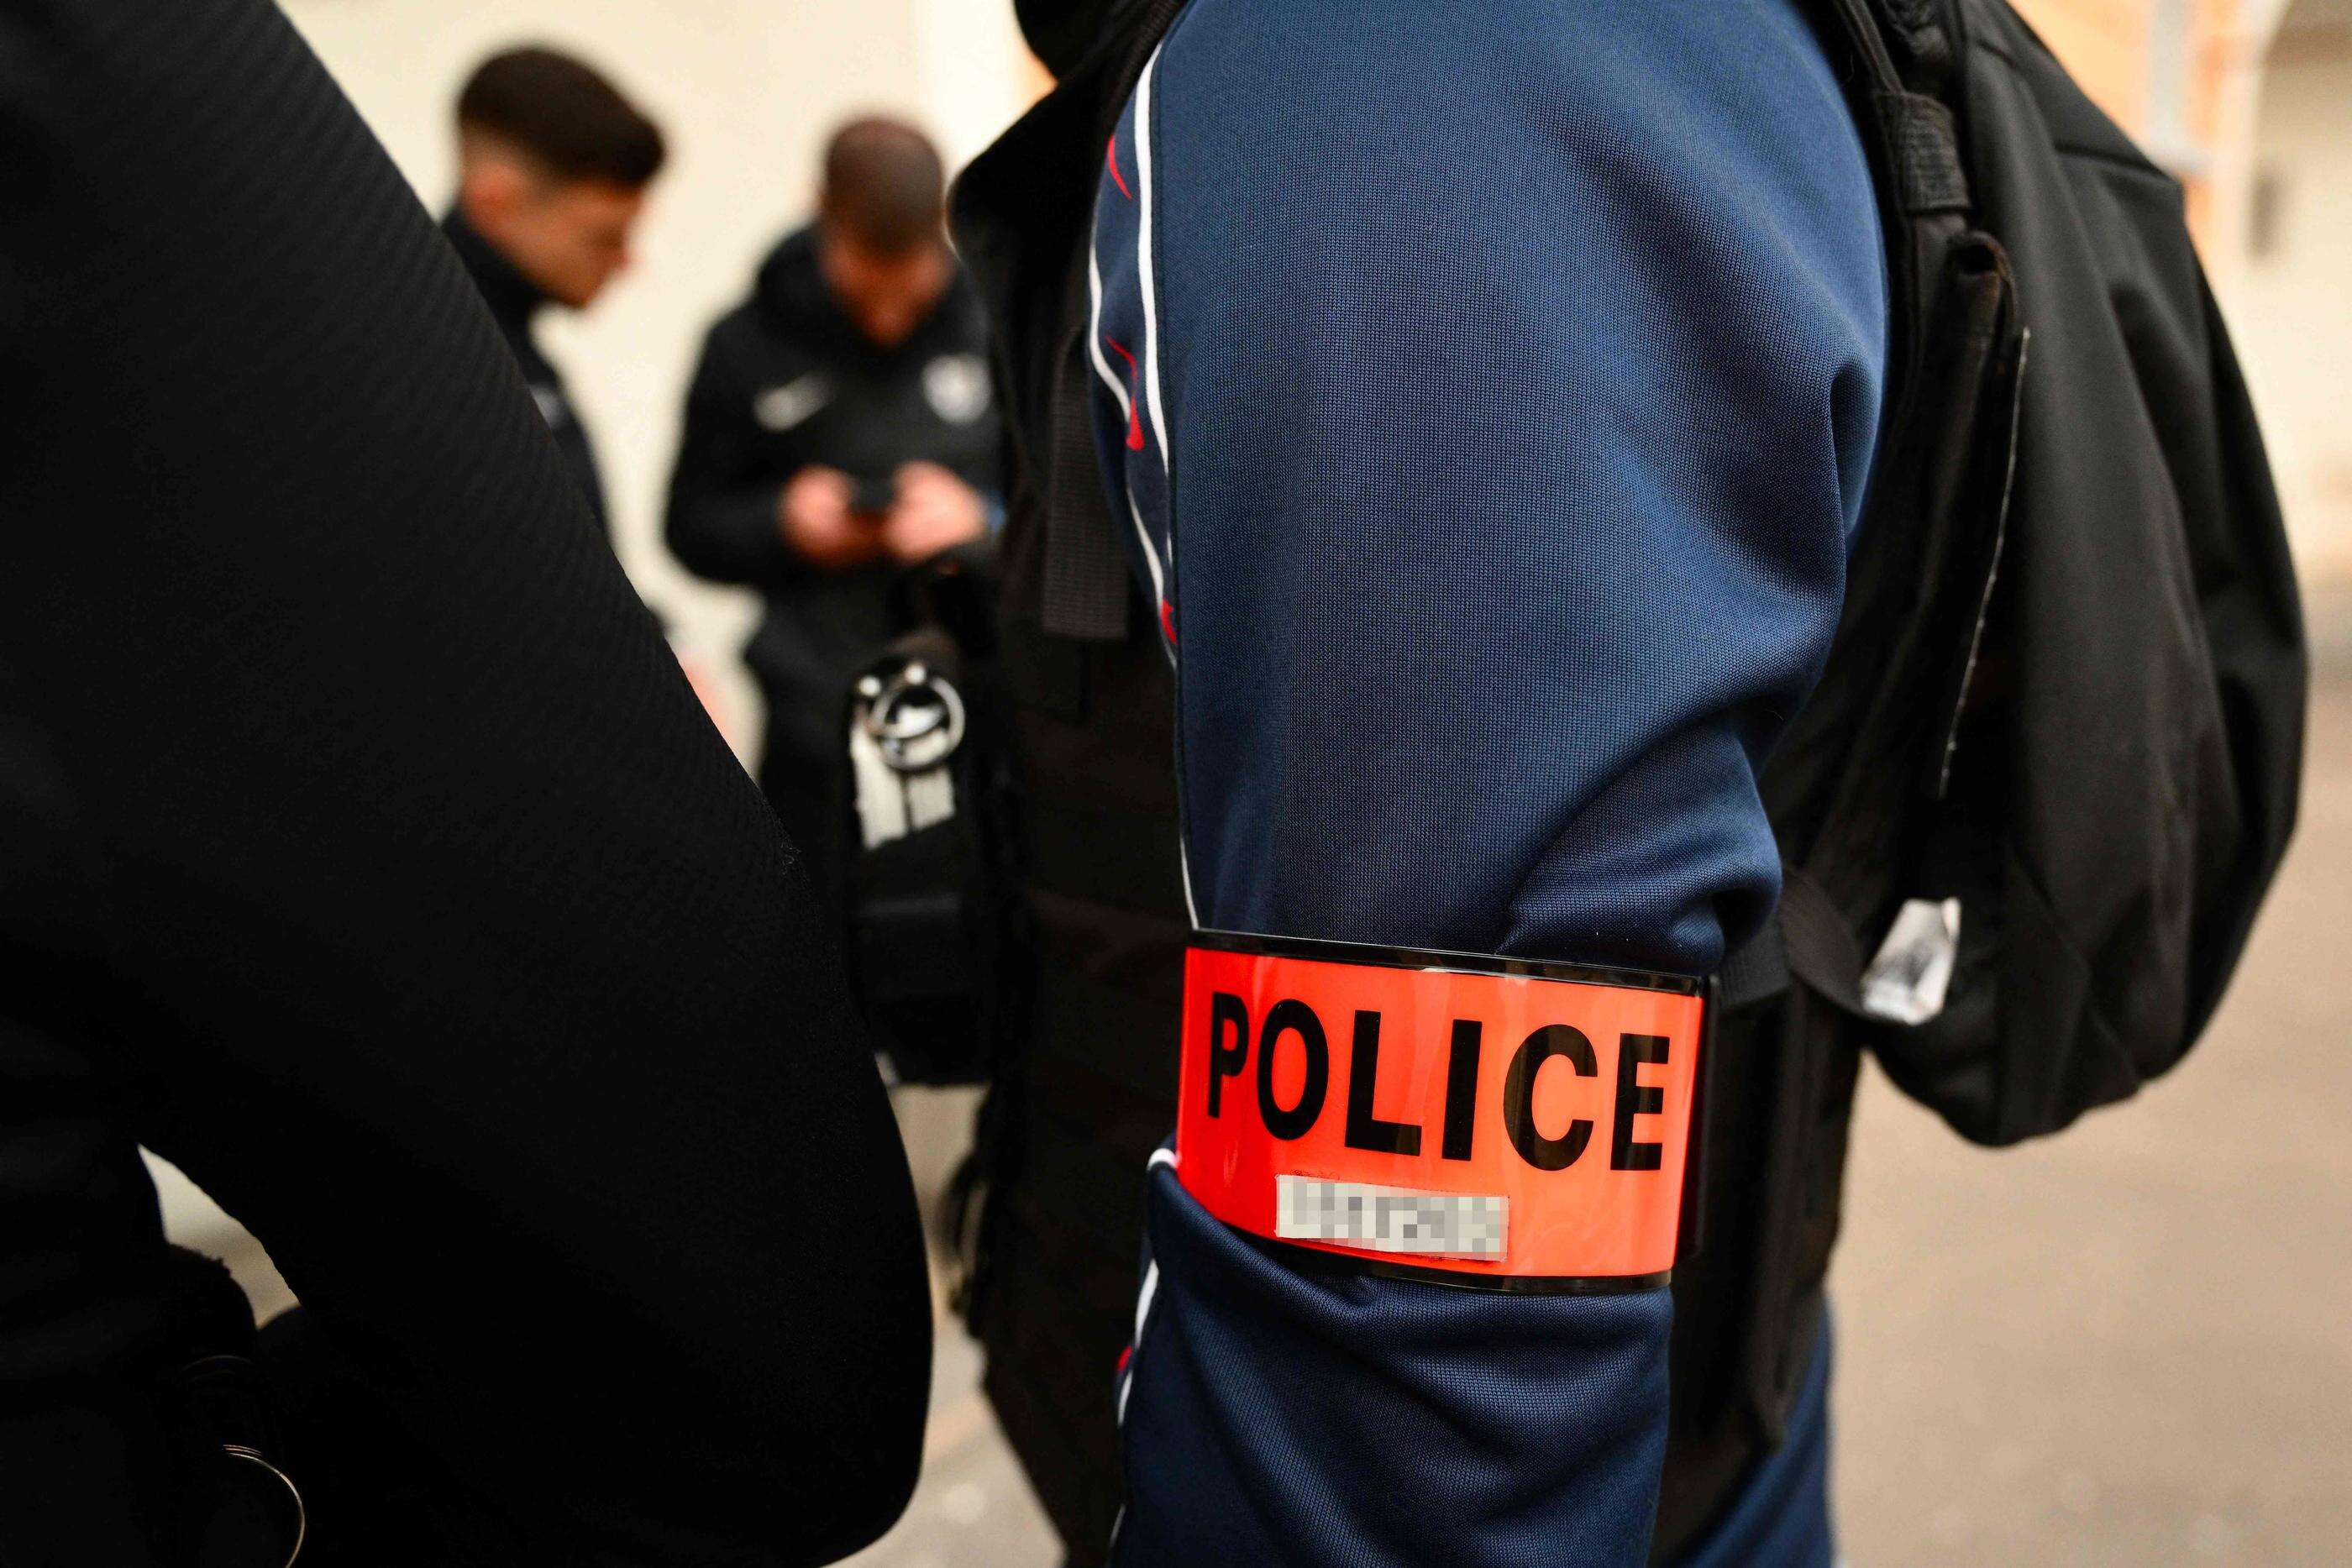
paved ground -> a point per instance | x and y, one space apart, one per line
2129 1345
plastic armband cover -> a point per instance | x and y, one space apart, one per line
1494 1122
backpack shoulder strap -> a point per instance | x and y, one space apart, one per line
1901 58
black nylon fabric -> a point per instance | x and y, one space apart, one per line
2149 614
364 849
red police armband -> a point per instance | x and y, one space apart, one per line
1488 1121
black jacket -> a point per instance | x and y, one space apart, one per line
515 302
787 379
363 850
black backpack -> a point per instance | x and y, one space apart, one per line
2065 701
2027 816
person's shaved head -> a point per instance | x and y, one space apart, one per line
879 217
885 187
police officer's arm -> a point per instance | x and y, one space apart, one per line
724 520
462 962
1516 368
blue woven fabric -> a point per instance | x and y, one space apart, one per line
1490 392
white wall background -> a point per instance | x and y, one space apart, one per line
745 91
2291 302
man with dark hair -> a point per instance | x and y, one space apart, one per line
552 166
838 429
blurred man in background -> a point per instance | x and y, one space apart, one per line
552 166
837 429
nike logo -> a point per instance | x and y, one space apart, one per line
781 408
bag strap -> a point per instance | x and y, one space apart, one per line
1904 56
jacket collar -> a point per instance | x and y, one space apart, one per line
512 297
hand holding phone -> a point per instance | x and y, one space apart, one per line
818 514
936 511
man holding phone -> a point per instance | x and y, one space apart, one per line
838 429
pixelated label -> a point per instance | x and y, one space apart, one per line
1391 1218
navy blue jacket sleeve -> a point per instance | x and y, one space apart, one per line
1490 390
